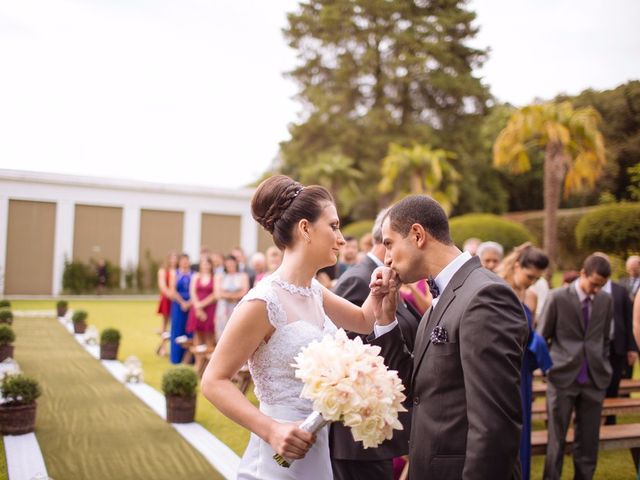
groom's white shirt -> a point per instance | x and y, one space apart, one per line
442 280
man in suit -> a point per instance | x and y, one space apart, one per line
623 352
576 321
632 282
349 459
464 374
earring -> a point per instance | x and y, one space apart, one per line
306 237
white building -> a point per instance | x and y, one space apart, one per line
48 218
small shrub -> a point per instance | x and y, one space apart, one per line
7 337
110 335
611 228
6 316
180 381
5 304
79 316
19 389
62 304
486 227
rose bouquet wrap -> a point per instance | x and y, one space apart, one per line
348 382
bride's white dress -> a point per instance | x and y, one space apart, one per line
298 317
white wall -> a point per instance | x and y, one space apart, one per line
132 196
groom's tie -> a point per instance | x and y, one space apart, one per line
433 287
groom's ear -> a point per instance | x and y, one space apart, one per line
418 234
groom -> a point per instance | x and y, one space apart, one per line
464 374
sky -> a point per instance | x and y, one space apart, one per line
193 91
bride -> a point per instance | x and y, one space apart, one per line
281 314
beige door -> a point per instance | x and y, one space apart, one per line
30 243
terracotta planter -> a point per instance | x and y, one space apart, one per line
180 409
6 351
109 351
18 419
62 311
79 327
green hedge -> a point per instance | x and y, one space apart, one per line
79 277
181 381
486 226
569 255
612 229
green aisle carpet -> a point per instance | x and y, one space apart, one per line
90 426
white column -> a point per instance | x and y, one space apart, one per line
4 234
130 241
191 233
63 242
248 233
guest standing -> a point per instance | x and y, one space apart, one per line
231 285
180 282
576 321
203 307
164 304
490 255
521 269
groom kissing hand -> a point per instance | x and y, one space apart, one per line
464 372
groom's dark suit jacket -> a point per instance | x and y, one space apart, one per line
467 408
354 286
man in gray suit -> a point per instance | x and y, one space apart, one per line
349 459
464 374
576 321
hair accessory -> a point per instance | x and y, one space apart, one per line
297 192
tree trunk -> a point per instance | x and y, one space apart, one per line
554 169
416 182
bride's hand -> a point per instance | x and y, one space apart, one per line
288 440
384 291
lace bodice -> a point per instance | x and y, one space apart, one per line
298 317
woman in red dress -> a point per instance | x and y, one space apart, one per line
164 305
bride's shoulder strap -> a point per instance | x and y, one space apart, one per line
264 291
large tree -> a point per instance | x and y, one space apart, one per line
372 72
574 153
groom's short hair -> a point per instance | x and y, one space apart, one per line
423 210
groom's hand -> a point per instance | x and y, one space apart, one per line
384 293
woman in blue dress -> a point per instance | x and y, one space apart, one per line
180 281
521 269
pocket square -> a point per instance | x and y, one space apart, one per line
439 336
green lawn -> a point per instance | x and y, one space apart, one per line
138 322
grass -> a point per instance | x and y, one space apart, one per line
130 441
4 474
138 322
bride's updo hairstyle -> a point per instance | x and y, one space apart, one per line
279 203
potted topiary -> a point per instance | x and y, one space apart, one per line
18 413
61 308
7 337
179 388
6 316
5 304
79 320
109 343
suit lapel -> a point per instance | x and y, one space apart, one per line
433 316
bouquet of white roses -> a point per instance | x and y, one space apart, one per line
349 382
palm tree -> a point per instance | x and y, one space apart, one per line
420 170
335 171
573 148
